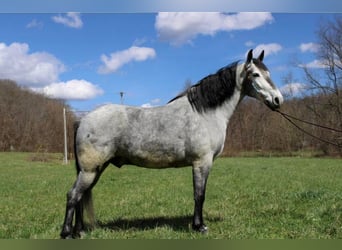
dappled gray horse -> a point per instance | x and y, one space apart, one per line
189 130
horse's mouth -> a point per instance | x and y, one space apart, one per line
272 105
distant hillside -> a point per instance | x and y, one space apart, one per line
30 121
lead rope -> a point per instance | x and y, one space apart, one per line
289 117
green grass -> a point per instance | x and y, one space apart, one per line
247 198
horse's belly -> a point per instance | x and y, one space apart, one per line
152 161
152 156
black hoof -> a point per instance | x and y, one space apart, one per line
66 236
75 235
200 228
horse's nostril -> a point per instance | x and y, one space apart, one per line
276 101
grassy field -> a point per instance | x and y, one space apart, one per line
247 198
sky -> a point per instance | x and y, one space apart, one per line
87 59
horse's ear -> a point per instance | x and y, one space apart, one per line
249 56
261 56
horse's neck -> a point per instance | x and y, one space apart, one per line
226 110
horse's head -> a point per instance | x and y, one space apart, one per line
258 83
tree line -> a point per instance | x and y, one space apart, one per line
30 121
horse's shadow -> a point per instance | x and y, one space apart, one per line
177 223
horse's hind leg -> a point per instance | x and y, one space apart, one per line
84 181
86 204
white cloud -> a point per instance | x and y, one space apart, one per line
71 19
315 64
30 69
309 47
181 27
293 89
40 72
147 105
35 24
117 59
249 44
72 90
270 49
152 103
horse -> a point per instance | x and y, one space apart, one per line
189 130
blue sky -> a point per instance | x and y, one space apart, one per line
87 59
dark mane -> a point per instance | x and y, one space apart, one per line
213 90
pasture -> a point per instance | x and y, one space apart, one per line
247 198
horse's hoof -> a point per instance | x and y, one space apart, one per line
66 236
200 228
78 234
203 229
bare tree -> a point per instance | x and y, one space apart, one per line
326 83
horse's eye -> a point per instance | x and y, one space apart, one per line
255 75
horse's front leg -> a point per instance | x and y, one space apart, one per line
200 172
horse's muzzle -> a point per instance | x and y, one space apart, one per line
275 103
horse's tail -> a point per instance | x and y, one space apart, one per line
87 204
87 199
